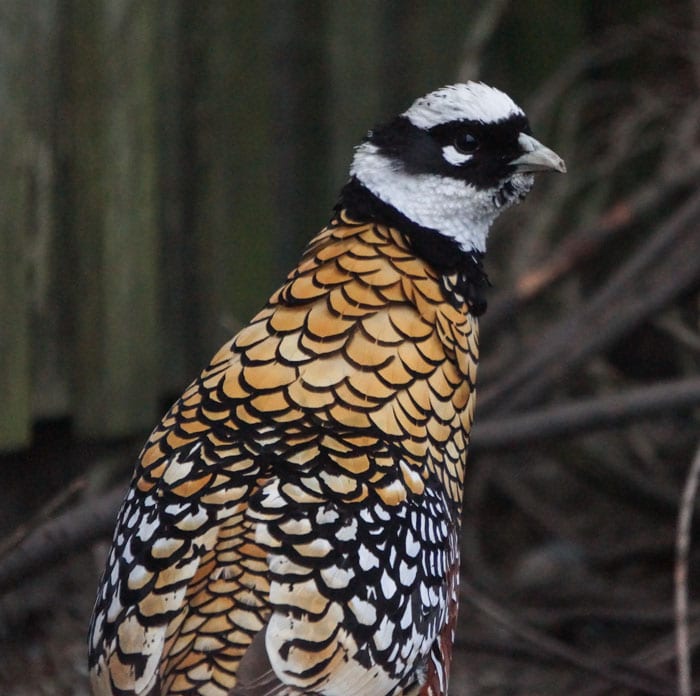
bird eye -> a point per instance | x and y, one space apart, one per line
466 143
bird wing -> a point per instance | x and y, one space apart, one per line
331 430
185 579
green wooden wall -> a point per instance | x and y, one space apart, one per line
162 163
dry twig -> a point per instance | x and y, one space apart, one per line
685 518
60 537
583 243
481 30
630 678
45 513
655 654
584 415
666 265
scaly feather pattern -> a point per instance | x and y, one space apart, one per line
310 479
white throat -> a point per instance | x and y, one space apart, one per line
451 206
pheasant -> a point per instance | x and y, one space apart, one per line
292 525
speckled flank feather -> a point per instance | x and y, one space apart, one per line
309 480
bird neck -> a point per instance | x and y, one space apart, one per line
463 276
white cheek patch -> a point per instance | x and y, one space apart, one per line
453 156
443 203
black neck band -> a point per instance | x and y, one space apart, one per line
440 251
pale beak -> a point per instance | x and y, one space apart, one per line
536 157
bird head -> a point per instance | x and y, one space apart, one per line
453 161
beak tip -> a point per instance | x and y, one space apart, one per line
536 157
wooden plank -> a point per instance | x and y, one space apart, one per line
305 191
355 50
234 218
43 239
113 221
177 180
15 383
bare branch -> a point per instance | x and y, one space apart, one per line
45 513
481 30
586 414
656 653
659 271
685 518
630 678
583 243
58 538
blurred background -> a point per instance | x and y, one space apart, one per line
162 164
